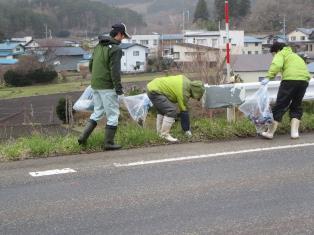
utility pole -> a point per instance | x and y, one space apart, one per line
185 12
284 27
183 21
188 11
46 30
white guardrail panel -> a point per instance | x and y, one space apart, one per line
246 90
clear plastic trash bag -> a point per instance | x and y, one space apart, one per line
85 102
257 109
137 107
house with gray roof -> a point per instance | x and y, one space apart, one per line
251 67
66 58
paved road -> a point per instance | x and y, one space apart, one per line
247 186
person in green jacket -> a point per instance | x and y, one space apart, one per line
295 77
164 92
105 67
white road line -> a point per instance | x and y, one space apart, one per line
212 155
52 172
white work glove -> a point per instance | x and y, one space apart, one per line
188 134
265 81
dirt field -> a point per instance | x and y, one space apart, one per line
18 116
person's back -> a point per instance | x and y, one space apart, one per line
291 65
101 64
171 86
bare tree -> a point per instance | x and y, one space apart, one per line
206 66
28 63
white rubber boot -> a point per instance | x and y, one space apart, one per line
269 134
295 123
159 120
165 129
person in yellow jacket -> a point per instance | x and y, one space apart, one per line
295 77
164 93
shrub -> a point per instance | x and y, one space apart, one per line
16 79
42 76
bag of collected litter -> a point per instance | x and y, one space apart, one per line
258 110
85 102
138 106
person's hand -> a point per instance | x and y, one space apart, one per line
185 121
188 134
119 91
120 98
265 81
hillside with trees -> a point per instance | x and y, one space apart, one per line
251 15
29 17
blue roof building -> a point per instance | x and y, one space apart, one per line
250 39
10 50
8 61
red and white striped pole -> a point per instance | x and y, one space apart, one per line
228 39
230 111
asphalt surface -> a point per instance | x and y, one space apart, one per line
249 186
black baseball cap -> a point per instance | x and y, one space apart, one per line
120 27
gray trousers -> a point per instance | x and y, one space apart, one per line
163 105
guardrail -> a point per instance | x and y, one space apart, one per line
230 95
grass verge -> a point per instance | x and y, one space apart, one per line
131 136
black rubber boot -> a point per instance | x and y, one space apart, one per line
90 126
110 132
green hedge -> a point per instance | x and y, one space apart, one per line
15 78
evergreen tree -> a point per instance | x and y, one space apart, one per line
2 36
237 8
219 8
201 11
244 7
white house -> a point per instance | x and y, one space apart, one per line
216 39
188 52
23 41
252 45
302 36
150 41
134 58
